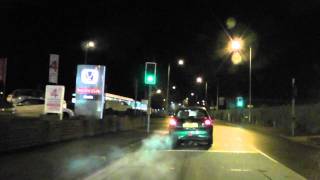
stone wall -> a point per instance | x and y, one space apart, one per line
22 133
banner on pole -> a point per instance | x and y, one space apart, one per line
53 68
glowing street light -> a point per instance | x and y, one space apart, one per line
158 91
192 94
174 87
180 62
90 44
199 80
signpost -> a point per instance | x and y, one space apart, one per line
53 68
150 78
3 74
54 99
90 87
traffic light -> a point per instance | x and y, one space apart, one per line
239 102
150 73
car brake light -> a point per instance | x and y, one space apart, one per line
207 122
172 122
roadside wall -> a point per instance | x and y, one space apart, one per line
22 133
307 117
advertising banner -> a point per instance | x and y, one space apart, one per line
54 99
53 68
90 85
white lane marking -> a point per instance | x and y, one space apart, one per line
267 156
240 170
210 151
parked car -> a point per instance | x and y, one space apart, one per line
20 95
35 108
117 106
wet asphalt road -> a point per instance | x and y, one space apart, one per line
237 153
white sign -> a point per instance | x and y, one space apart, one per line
54 99
89 76
53 68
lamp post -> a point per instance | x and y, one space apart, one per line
88 45
199 80
180 63
236 45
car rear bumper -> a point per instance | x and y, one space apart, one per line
192 135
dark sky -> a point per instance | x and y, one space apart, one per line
127 34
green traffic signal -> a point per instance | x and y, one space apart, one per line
239 102
150 79
150 73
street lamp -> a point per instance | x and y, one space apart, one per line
199 80
158 91
174 87
236 45
192 94
180 63
88 45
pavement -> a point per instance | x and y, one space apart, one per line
237 153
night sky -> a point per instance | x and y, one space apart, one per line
284 36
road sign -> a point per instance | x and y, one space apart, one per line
53 68
54 99
150 73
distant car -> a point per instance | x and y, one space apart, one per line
117 106
191 124
5 108
19 95
35 108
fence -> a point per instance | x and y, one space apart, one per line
307 117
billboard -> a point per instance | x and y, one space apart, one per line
90 85
54 99
53 68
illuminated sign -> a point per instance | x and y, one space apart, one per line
89 76
88 91
90 87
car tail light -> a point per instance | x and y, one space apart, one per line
208 122
172 122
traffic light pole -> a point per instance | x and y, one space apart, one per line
168 90
149 109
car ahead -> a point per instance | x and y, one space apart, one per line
191 124
35 108
20 95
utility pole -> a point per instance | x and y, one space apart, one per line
135 95
149 109
217 103
293 110
168 89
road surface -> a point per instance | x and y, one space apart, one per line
237 153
